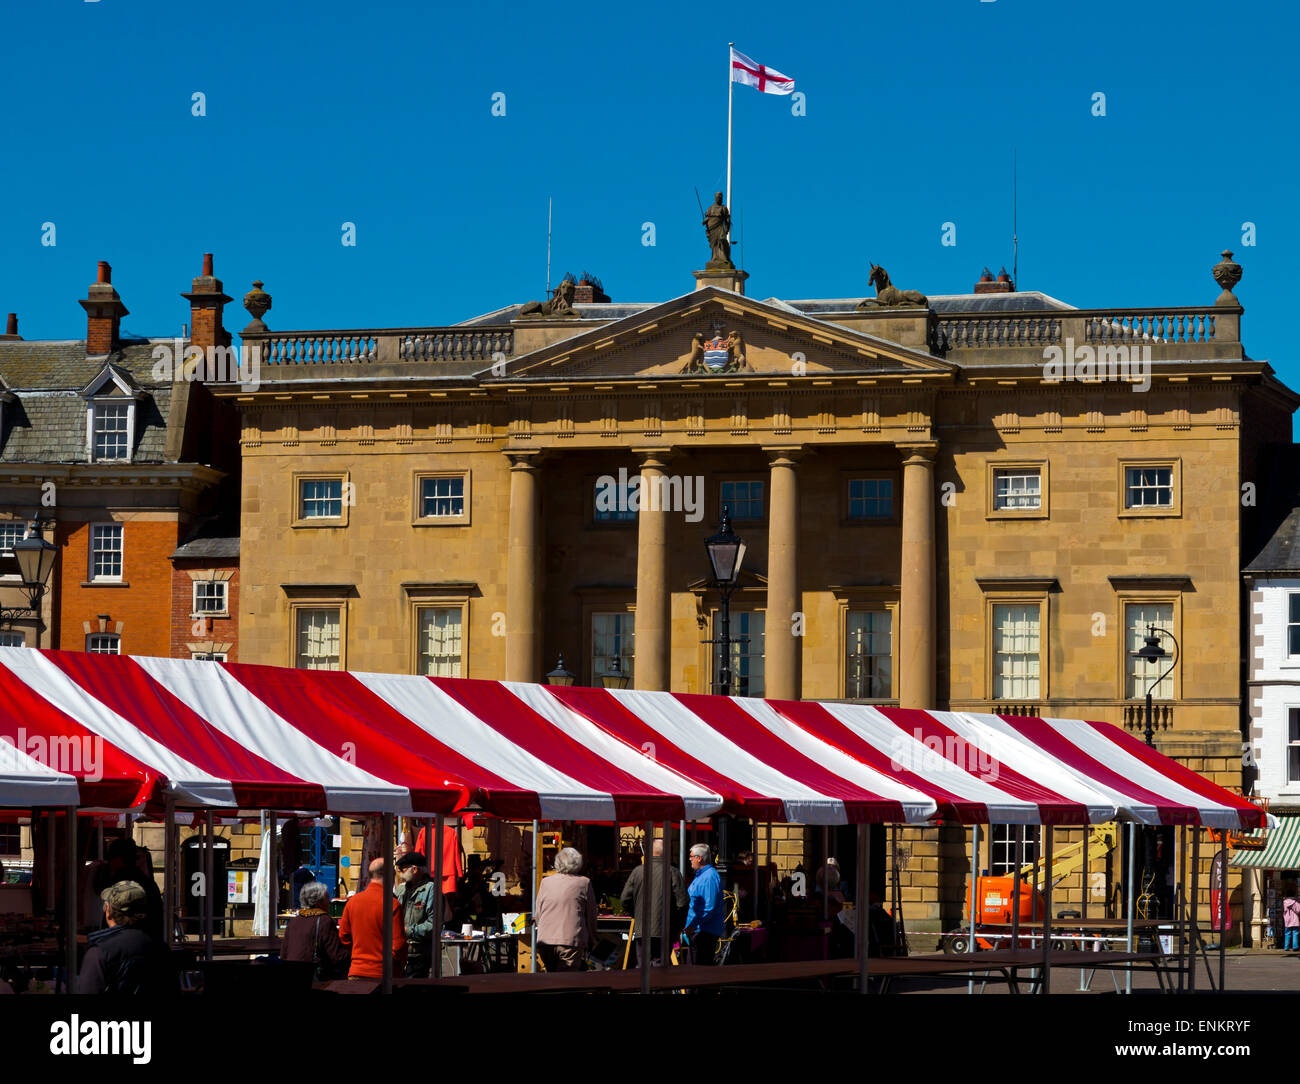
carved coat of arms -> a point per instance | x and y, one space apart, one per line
719 353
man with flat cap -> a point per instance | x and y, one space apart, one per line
124 958
415 894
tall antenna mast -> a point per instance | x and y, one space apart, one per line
1015 240
548 247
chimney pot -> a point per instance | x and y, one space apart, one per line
207 264
105 272
11 324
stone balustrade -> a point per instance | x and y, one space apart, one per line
382 346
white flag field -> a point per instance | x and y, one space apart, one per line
764 79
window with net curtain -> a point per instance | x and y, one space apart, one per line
868 659
318 639
1138 615
440 641
747 652
1015 652
612 636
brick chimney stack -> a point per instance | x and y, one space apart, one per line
104 312
207 300
11 328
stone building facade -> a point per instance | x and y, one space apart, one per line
977 503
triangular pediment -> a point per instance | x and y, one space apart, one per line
714 333
112 381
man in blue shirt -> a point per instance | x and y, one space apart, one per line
706 921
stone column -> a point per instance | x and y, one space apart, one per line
653 640
783 648
523 571
917 634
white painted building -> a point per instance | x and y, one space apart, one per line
1272 582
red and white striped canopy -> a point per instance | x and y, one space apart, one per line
242 736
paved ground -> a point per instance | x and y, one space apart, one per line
1245 972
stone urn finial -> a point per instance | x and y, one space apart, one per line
1227 274
258 302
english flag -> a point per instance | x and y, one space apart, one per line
765 79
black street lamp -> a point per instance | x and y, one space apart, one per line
1151 652
616 677
726 551
560 676
35 558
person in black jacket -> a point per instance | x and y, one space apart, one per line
129 863
633 895
124 958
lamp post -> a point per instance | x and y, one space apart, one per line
726 552
35 558
560 676
1151 652
616 677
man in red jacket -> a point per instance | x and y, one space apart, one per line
361 928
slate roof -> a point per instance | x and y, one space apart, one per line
209 549
46 422
1282 553
1023 300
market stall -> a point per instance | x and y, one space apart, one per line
209 736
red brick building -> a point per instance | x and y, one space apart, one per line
122 455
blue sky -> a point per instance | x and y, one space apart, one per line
381 115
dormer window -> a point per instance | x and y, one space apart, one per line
112 401
6 396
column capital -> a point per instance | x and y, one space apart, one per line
654 457
921 451
523 458
784 455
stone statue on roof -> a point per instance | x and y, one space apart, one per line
717 224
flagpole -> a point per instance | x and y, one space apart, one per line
731 83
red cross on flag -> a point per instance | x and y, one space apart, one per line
767 80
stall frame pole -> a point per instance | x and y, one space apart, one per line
535 873
386 910
70 899
51 858
1195 910
434 828
864 907
665 897
647 858
1048 833
1129 904
974 871
209 872
169 878
1015 887
681 847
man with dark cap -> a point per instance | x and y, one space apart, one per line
124 958
126 865
415 894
